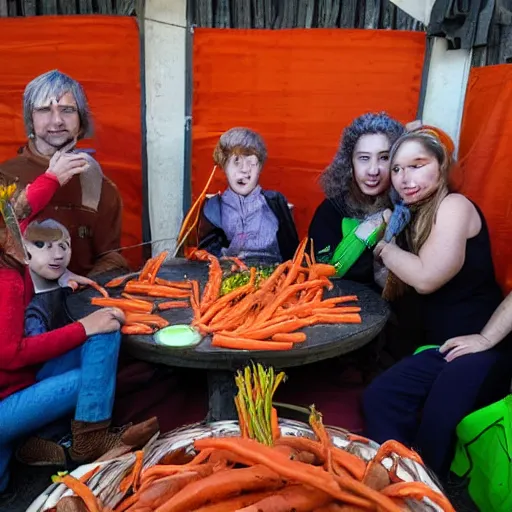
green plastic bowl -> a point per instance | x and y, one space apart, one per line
178 336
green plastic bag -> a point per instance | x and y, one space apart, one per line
483 456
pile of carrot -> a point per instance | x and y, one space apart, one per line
257 316
297 474
141 299
268 316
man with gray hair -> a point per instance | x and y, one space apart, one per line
56 115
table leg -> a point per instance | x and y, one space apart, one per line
221 394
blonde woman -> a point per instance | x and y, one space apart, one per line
447 259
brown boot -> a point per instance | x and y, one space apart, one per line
37 451
92 440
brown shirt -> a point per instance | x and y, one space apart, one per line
92 232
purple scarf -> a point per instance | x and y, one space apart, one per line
250 225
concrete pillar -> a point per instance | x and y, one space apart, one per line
446 88
165 28
447 73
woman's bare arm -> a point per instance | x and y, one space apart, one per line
443 254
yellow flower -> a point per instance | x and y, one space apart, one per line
6 192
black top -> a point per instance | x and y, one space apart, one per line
465 303
325 231
46 312
212 237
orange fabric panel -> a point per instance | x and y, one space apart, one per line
299 89
484 155
101 52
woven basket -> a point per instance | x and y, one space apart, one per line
105 482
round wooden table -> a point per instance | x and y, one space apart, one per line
323 341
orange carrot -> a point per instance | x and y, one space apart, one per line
248 344
312 251
349 318
268 331
126 503
323 269
173 304
297 471
417 491
136 299
353 464
334 310
132 479
184 285
297 498
145 270
136 329
234 504
144 318
339 300
293 337
117 281
155 290
229 297
237 261
195 209
162 490
334 507
160 471
276 431
158 263
222 485
99 288
124 304
89 474
391 446
82 491
211 291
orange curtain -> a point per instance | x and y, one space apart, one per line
101 52
485 153
299 89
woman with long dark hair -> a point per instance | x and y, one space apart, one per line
356 185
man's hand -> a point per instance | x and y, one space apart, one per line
66 165
463 345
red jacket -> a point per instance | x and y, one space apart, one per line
21 357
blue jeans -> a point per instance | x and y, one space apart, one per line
82 380
421 399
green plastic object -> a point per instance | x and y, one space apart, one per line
483 456
357 237
178 336
425 347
